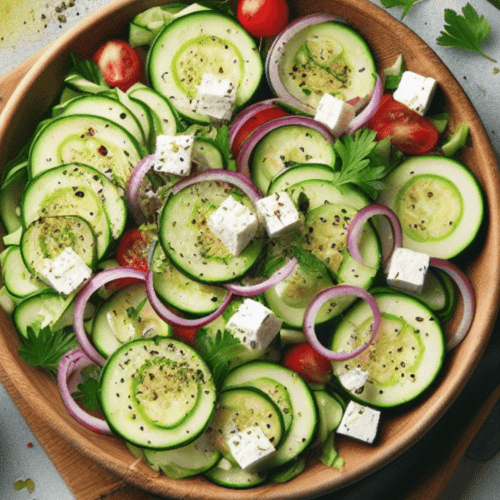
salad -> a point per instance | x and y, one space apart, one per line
230 255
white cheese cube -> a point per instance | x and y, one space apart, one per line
66 272
415 91
254 324
354 379
250 447
359 422
335 113
234 223
278 214
215 98
173 154
407 270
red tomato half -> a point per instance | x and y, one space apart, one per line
187 334
263 18
254 121
120 64
408 131
304 360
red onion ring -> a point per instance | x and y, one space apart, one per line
237 179
72 361
367 113
82 298
356 226
247 148
134 185
468 296
172 318
251 290
333 293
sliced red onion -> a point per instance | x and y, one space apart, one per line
134 186
334 293
71 362
468 297
82 298
237 179
251 290
305 121
358 221
367 113
173 319
277 48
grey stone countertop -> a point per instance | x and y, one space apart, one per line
28 25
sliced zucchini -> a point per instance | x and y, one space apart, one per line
299 173
230 475
10 198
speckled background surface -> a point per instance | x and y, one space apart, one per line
26 26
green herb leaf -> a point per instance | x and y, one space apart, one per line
222 142
88 389
308 262
360 164
44 348
407 4
29 484
219 351
468 31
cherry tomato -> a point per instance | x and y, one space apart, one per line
304 360
186 333
254 121
120 64
408 131
263 18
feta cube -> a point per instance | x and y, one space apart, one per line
234 223
66 272
250 447
278 214
215 98
415 91
335 113
407 270
354 379
359 422
254 324
173 154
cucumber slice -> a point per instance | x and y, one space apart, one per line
10 198
199 43
406 356
125 316
157 393
439 203
299 173
207 155
304 413
330 414
191 246
327 57
232 476
88 139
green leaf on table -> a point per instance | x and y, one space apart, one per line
468 31
407 4
29 484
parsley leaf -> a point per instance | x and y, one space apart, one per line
44 348
407 4
468 31
218 351
308 262
89 388
360 164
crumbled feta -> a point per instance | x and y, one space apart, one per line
66 272
278 214
250 447
354 379
234 223
215 98
254 324
335 113
359 422
173 154
407 270
415 91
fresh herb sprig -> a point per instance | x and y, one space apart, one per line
360 164
468 31
44 348
407 4
89 387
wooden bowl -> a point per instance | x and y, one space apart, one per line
388 38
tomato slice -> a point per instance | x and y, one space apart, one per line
120 64
408 131
263 18
304 360
252 123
